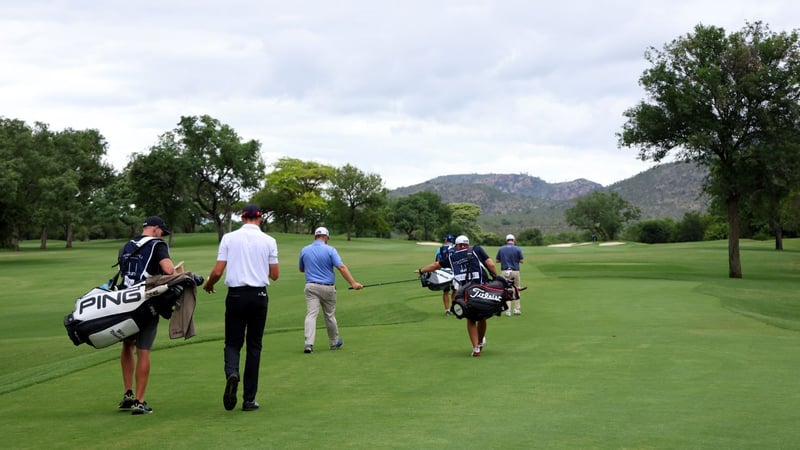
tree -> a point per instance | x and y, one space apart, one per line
719 100
690 229
82 174
26 155
464 219
162 183
601 213
112 210
653 231
297 188
222 166
355 189
530 236
419 212
779 174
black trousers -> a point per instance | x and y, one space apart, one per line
245 320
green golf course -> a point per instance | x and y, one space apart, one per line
618 346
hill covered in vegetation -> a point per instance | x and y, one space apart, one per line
512 202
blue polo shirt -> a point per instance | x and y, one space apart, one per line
317 260
509 256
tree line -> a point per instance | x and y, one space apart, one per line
197 177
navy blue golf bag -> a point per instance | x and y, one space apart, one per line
477 301
103 317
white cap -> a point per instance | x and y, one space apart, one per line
321 231
510 237
462 240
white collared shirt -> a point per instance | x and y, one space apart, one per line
248 253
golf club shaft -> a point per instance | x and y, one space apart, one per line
388 282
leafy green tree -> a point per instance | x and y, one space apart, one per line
790 211
162 184
81 174
654 231
530 236
690 229
222 166
26 155
355 190
779 174
113 212
464 219
374 221
420 212
295 188
604 214
719 100
280 207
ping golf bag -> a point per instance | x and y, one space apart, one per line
480 301
438 279
103 317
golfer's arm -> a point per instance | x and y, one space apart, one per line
346 274
430 267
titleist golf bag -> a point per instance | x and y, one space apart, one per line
480 301
438 279
103 317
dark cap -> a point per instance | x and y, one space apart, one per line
155 221
252 211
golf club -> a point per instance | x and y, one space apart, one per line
388 282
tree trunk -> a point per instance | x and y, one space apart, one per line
351 219
14 240
70 234
734 260
43 238
220 230
777 229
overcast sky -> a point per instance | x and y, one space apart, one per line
408 90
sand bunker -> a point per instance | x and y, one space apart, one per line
573 244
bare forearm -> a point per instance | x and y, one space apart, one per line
349 277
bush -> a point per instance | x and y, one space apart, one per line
654 231
690 229
530 236
716 230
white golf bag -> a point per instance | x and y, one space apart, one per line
103 317
438 279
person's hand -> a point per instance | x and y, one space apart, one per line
209 288
357 286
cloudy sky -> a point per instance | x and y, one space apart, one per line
408 89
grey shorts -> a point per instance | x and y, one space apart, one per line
146 337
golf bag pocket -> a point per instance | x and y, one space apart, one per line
510 292
101 332
479 301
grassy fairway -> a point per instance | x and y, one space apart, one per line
628 346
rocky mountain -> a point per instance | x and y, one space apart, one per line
512 202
